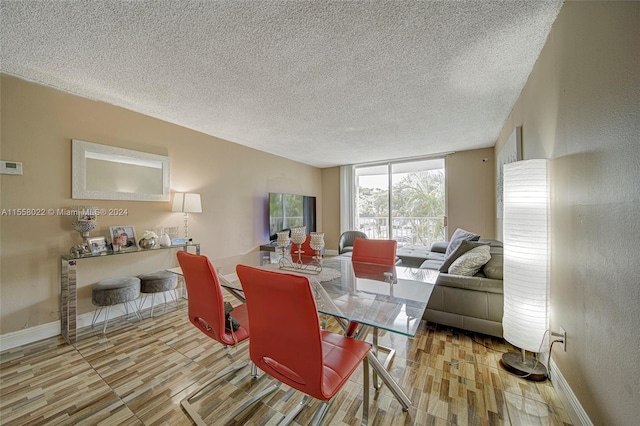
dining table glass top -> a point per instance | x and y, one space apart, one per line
391 298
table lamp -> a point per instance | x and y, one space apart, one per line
186 203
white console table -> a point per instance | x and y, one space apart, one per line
68 291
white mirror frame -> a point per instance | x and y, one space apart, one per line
79 172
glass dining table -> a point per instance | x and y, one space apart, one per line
364 297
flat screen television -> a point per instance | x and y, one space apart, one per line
290 210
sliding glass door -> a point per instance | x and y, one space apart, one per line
404 201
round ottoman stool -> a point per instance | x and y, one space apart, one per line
158 282
114 291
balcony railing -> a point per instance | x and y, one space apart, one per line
415 231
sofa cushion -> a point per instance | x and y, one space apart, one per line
458 237
431 264
436 256
440 247
413 252
470 263
464 247
494 267
413 256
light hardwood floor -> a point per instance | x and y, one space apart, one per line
139 371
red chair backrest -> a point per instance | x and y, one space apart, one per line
382 252
306 249
206 303
286 340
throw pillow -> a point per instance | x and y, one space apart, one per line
458 237
464 247
470 263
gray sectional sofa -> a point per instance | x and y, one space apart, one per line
473 303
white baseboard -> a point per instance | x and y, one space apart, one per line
568 398
52 329
29 335
331 252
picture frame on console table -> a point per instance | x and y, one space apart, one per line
97 245
126 230
510 152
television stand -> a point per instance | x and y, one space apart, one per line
270 246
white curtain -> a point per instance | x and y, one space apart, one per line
347 198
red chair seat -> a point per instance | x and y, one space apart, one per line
241 315
340 357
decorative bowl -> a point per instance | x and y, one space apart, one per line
84 226
147 243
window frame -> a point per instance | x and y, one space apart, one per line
348 189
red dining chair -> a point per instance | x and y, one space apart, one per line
381 252
307 251
206 313
288 344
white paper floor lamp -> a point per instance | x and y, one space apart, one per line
526 264
186 203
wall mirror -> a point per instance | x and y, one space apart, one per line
102 172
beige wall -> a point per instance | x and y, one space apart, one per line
38 124
331 206
580 109
471 202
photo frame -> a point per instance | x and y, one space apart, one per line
129 231
510 152
97 245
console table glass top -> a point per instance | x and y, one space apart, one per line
69 257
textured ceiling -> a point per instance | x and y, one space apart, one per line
323 83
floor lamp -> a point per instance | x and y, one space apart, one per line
186 203
526 197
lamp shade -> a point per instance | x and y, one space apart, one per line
526 198
186 203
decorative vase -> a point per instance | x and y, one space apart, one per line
299 234
165 240
317 242
84 227
147 243
283 239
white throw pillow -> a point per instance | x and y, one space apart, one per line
470 263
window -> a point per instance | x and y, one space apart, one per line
404 201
